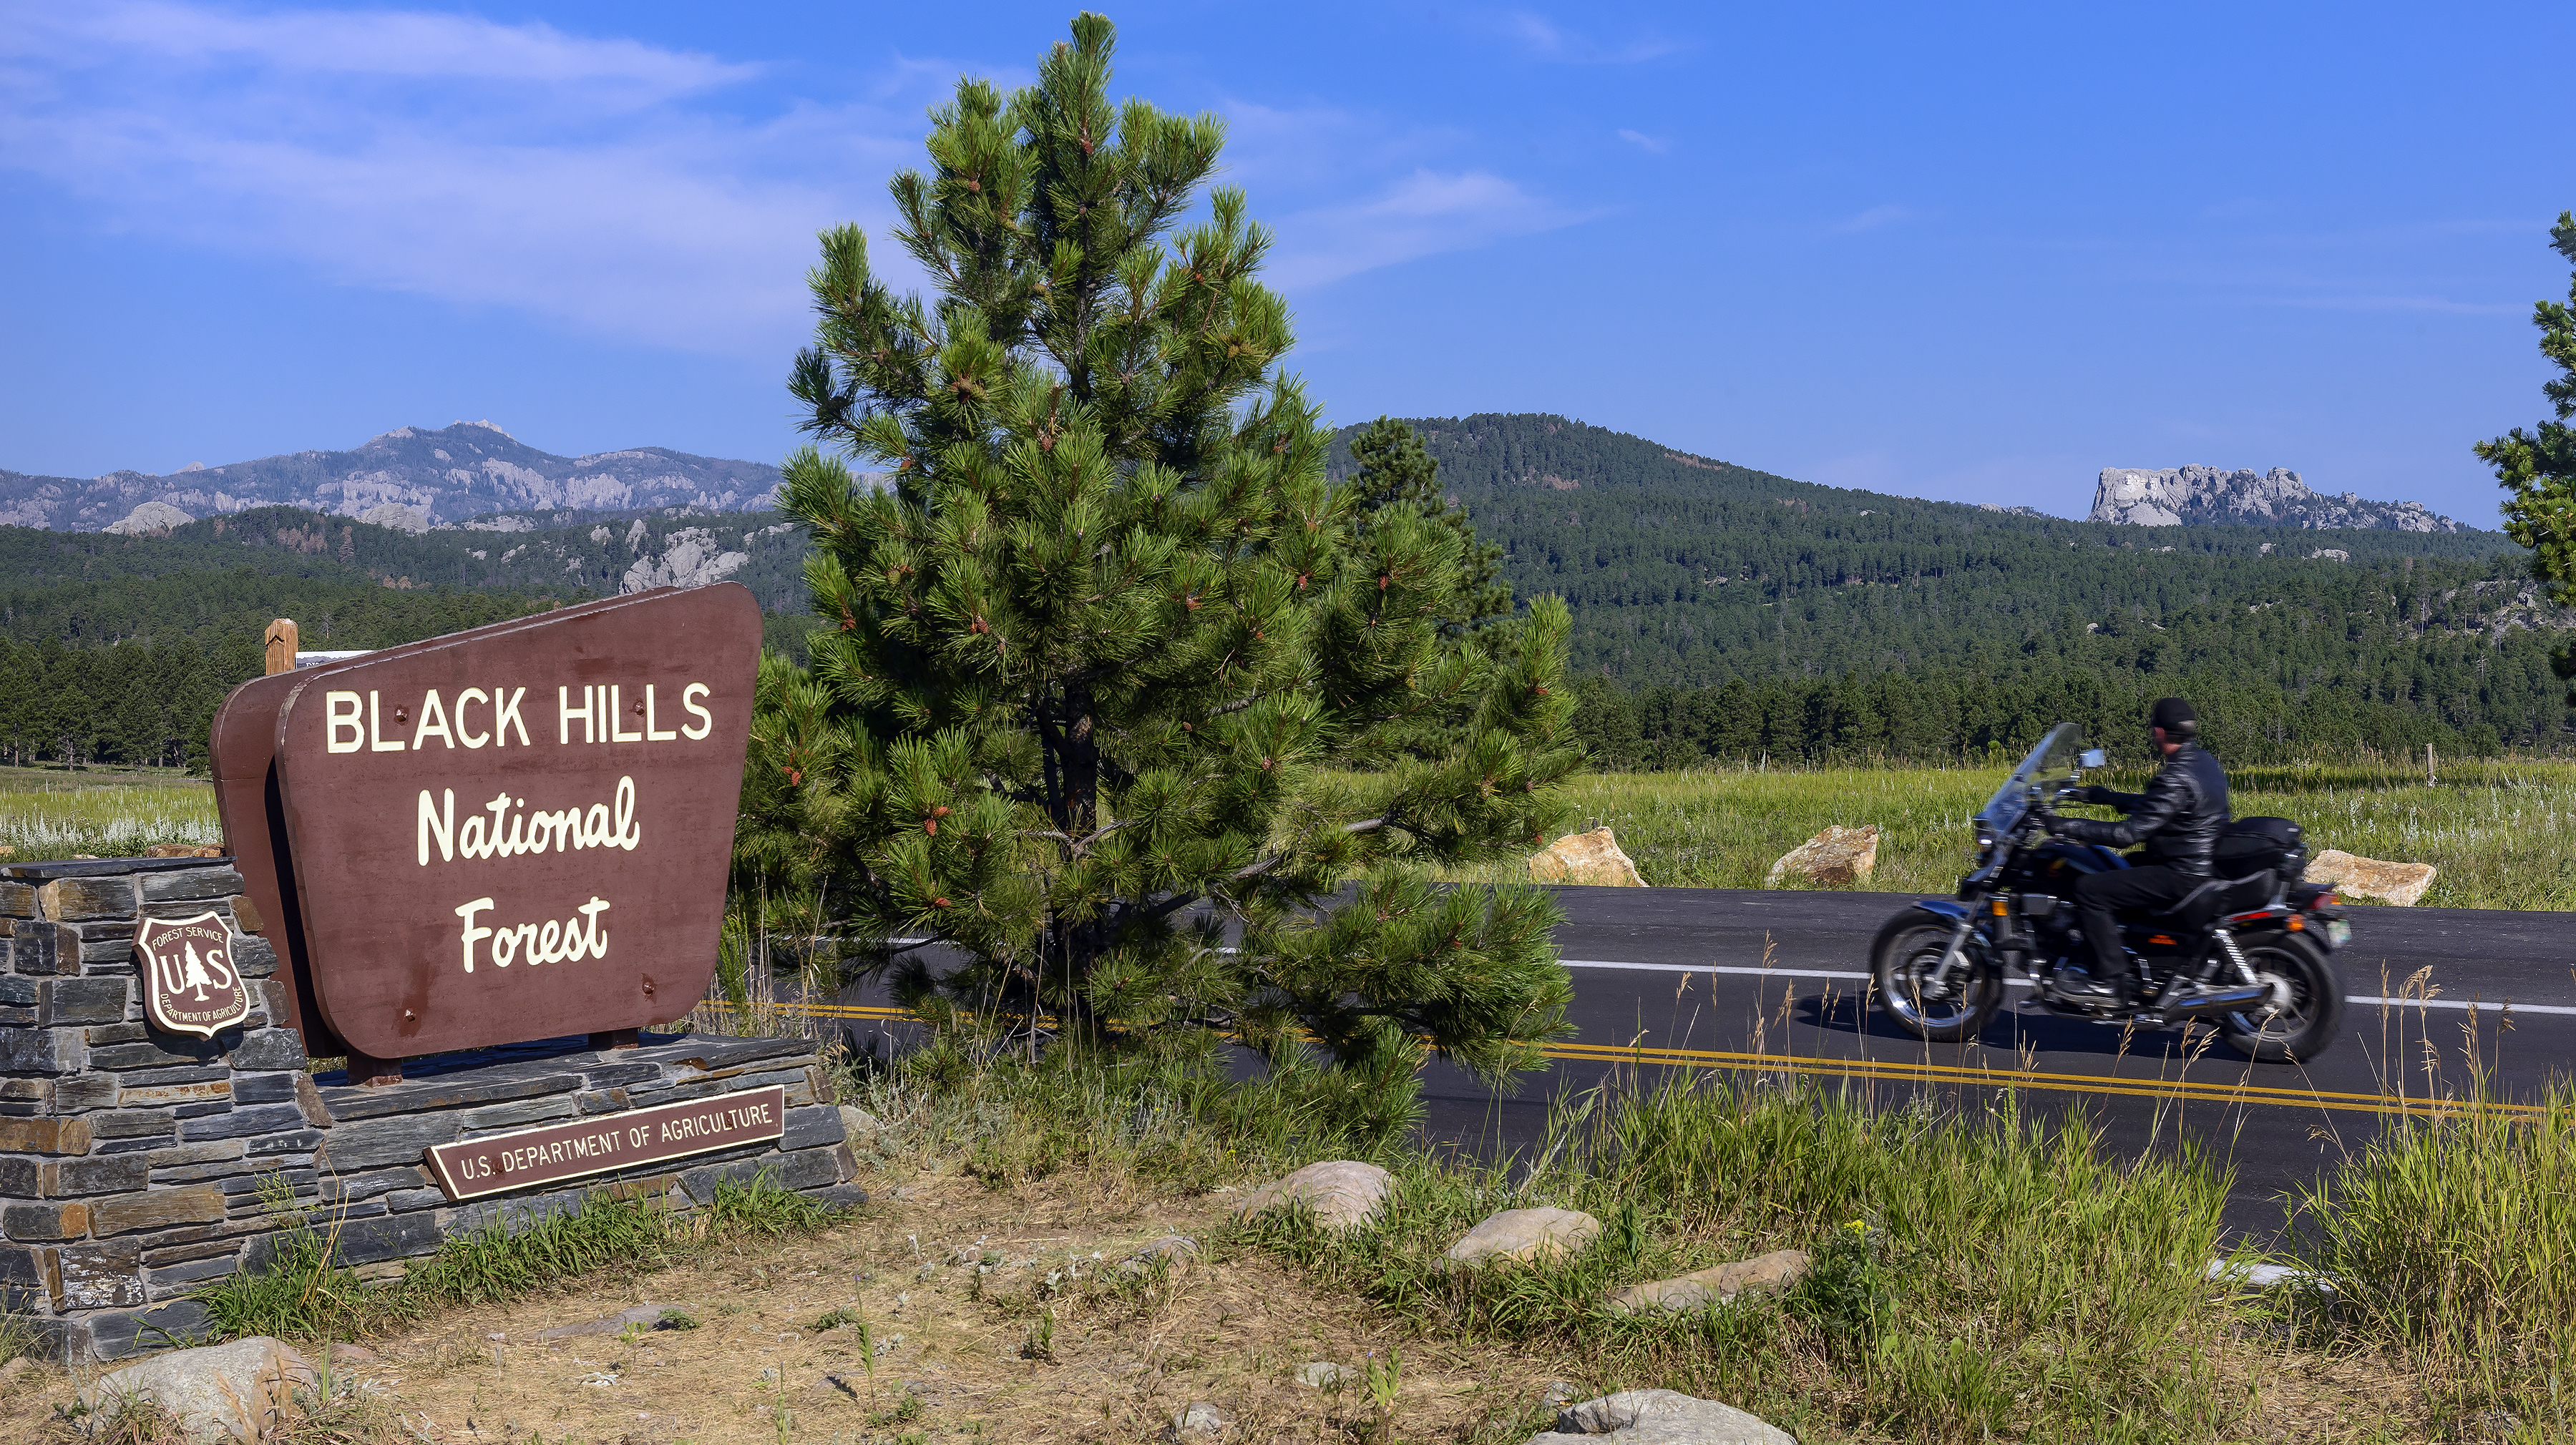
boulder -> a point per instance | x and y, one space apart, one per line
2398 883
1837 858
1588 858
1343 1193
1662 1417
215 1393
1763 1274
1523 1235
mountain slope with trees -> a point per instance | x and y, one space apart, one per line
1687 575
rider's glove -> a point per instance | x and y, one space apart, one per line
2093 793
2056 826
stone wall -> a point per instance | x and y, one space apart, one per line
135 1165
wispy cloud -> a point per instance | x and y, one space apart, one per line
1873 219
610 185
581 179
1544 39
380 43
1365 190
1652 145
1424 214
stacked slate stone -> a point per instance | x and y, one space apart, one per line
135 1164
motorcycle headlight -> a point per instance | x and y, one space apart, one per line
1984 841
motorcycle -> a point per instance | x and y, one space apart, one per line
2251 949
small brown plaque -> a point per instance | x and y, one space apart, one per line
189 983
552 1153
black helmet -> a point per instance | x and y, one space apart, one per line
2175 716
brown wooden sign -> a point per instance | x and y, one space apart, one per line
189 983
516 832
552 1153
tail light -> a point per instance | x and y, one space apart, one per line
2323 900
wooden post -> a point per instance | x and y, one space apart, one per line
281 646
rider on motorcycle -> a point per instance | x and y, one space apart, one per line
2178 818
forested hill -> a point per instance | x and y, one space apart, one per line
117 648
1685 573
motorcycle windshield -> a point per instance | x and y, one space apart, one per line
2055 756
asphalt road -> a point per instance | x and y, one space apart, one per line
1769 982
1757 982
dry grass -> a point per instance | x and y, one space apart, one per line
1125 1352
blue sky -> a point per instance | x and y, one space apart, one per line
1951 251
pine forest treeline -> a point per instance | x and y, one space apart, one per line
1723 614
1720 613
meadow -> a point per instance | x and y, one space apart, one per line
2494 827
48 813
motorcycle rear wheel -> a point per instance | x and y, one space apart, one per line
2306 1024
1909 947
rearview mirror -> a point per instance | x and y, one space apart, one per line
2092 758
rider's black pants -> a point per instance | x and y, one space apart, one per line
2099 896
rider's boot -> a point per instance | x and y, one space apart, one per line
2076 984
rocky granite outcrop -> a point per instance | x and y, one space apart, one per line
2198 495
430 477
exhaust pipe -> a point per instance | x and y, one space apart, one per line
2217 1000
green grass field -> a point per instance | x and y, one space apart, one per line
2499 831
48 813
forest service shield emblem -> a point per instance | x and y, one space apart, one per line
190 985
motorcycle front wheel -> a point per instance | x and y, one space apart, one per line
2299 1020
1908 949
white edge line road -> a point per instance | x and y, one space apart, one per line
2367 1000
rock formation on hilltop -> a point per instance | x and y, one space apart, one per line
409 478
2194 495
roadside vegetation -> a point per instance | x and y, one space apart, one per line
1984 1270
2493 827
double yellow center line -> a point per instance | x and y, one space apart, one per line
1893 1071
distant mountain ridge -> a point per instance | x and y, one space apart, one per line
2206 496
411 477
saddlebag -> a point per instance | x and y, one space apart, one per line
2252 845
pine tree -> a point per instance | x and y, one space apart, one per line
1118 690
2539 466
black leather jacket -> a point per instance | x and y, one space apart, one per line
2178 817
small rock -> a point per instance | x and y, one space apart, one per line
215 1393
1662 1417
1836 858
1557 1395
1763 1274
858 1124
1198 1420
2398 883
1180 1249
10 1372
1343 1193
649 1316
352 1355
1321 1374
1590 858
1523 1235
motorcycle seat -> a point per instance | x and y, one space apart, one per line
2216 897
